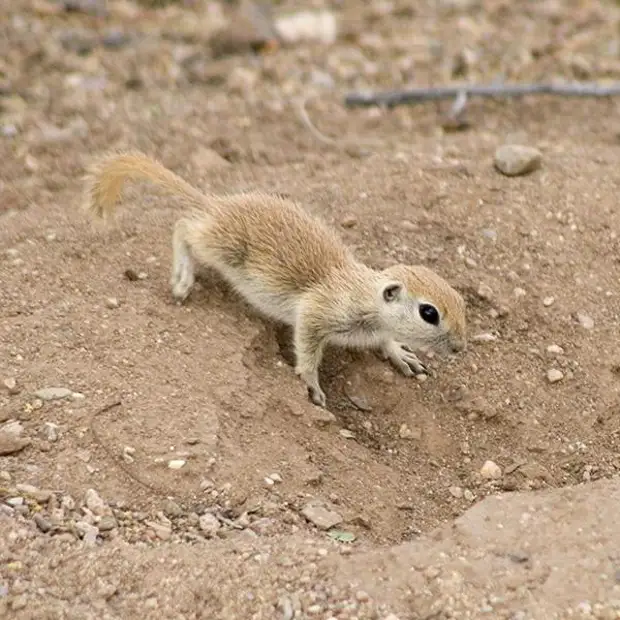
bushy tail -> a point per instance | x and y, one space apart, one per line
106 176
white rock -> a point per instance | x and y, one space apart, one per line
307 26
94 503
484 337
13 428
514 159
456 492
321 516
548 301
53 393
587 322
491 471
555 349
209 524
176 463
554 375
111 303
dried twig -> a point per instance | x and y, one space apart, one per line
418 95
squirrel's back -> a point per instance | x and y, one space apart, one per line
268 237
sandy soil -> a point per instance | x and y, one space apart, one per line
145 382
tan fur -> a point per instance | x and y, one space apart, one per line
293 268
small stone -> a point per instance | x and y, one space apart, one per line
107 523
519 292
269 482
346 433
162 530
307 26
11 386
485 291
276 477
320 516
39 495
490 471
349 221
14 428
554 375
456 492
362 597
176 463
15 501
484 337
209 524
586 321
514 159
206 484
172 509
554 349
53 393
11 444
205 159
5 476
128 454
404 432
19 602
42 523
94 503
468 495
49 432
548 301
89 532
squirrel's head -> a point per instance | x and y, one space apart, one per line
422 309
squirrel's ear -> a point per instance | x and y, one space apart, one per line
392 291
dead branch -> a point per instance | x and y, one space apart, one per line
419 95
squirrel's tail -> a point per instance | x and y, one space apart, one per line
107 175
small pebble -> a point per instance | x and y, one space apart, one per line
514 159
456 492
554 349
484 337
42 523
491 471
404 432
176 464
276 477
348 221
548 301
49 432
107 523
321 516
94 503
53 393
209 524
586 321
468 495
11 385
172 509
485 291
554 375
346 433
111 303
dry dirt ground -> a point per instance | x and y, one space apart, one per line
94 523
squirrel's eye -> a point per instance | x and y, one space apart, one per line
429 314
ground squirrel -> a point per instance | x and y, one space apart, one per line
293 268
